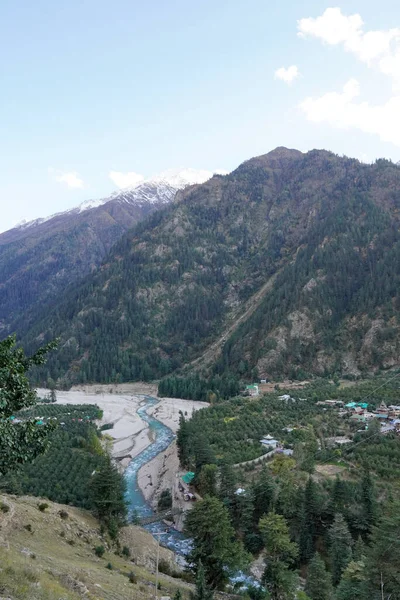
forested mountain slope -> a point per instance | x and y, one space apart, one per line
326 227
39 259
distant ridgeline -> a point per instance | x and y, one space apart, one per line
287 267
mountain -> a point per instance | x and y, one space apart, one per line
40 258
288 266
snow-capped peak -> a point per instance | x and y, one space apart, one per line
180 178
159 189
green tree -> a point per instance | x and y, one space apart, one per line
202 591
383 556
207 480
310 513
368 500
340 543
319 581
305 453
352 586
108 491
280 554
227 484
182 441
203 455
264 490
19 442
214 544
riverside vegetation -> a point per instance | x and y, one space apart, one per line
340 532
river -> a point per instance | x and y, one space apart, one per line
163 436
137 505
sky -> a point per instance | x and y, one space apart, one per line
97 94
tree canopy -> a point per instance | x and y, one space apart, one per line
20 441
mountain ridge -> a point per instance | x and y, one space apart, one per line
39 259
326 227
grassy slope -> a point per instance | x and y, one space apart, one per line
46 564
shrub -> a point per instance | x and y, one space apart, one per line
63 514
126 552
28 527
109 566
165 501
132 577
99 551
42 506
4 507
163 567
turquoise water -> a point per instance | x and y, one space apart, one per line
137 504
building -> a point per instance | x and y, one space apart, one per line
394 411
268 440
358 418
252 389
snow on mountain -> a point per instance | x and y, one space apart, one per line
160 189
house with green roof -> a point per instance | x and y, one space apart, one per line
252 389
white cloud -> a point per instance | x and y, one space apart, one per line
71 178
340 109
287 75
377 49
124 180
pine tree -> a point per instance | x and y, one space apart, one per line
352 586
182 441
280 554
108 491
227 484
319 581
310 513
208 524
202 591
368 500
359 550
203 455
207 480
264 494
340 543
383 555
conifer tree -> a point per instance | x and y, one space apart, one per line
280 554
207 480
310 513
340 543
319 581
352 586
227 484
383 555
182 441
208 524
202 591
368 500
108 490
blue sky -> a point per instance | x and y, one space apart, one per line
92 87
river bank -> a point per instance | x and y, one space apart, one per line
130 433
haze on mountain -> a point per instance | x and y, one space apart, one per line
40 258
288 266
